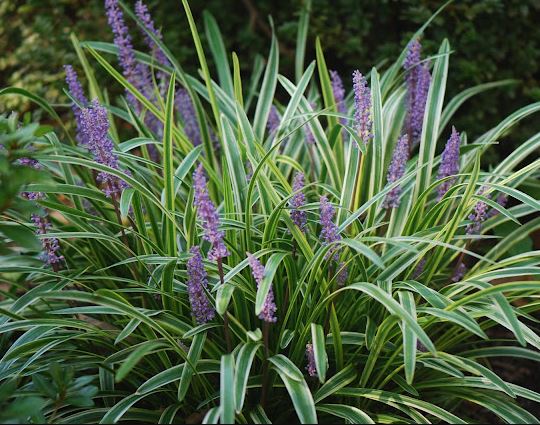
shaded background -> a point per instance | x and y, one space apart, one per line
491 39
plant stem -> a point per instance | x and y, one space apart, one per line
264 392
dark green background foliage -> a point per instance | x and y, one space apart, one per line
492 40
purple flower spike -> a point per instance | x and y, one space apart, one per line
421 347
396 170
414 51
95 127
478 216
273 121
329 230
311 368
142 12
201 308
136 73
419 269
339 94
362 103
417 80
298 200
502 199
449 163
50 245
30 162
207 213
460 271
342 274
186 110
249 171
268 313
77 92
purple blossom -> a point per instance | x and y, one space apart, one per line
50 245
135 73
30 162
311 368
273 121
459 272
201 308
421 347
417 79
310 138
478 216
297 201
207 213
329 230
342 274
95 127
339 94
249 171
502 199
76 91
142 12
419 269
186 110
449 163
268 313
362 103
396 171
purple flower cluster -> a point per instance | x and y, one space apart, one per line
396 170
342 274
459 272
268 313
95 127
76 91
449 163
362 104
339 94
478 216
249 171
419 269
502 199
141 10
201 308
329 230
136 73
186 110
50 245
297 201
311 368
207 213
273 121
30 162
330 233
417 80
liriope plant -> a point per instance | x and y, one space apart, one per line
214 253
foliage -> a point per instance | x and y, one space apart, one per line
17 141
485 38
404 339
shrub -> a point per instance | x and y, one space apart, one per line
213 254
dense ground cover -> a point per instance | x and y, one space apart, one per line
208 252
